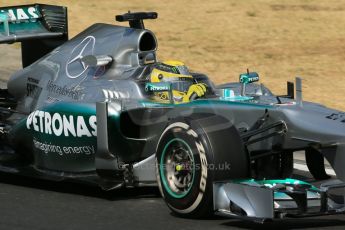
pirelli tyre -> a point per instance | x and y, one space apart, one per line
192 154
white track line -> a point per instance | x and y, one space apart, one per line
304 167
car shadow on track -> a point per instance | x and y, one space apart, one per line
80 189
288 224
153 192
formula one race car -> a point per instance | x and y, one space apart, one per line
83 109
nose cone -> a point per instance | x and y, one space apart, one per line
315 123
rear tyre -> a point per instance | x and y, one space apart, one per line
191 154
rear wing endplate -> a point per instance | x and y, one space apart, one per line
39 27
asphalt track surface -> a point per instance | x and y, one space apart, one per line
27 203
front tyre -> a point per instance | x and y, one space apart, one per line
190 156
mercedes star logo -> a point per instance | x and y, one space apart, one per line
75 67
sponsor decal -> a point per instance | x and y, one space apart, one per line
52 100
157 87
63 150
70 92
336 116
62 125
203 159
75 67
20 14
249 78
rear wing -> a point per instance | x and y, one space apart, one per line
40 28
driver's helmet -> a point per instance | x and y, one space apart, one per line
174 72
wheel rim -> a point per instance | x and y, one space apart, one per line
177 168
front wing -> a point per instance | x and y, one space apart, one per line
276 199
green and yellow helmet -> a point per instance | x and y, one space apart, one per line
174 72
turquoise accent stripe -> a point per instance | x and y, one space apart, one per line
286 181
207 102
162 171
70 107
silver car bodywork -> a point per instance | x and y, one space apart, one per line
100 75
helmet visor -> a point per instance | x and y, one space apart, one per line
181 84
182 69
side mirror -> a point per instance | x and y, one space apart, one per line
4 18
246 78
